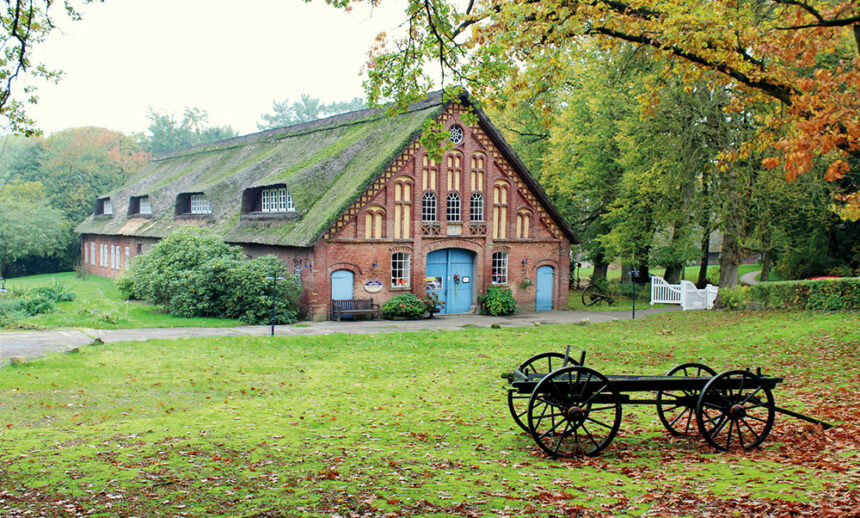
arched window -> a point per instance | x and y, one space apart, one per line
477 172
373 223
453 207
500 268
400 270
428 174
524 218
402 208
455 164
428 207
500 210
476 210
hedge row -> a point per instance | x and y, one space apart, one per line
823 294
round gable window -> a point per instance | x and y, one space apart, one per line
456 134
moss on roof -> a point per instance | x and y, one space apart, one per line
326 165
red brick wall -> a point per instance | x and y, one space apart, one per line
93 262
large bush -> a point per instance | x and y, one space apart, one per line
405 305
824 294
497 301
193 273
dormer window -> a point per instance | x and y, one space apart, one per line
276 199
139 206
200 204
192 203
104 207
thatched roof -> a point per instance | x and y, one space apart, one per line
326 164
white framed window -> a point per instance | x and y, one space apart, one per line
200 204
127 256
276 199
107 207
112 257
400 270
145 205
118 257
93 253
428 207
453 207
500 268
86 253
101 255
476 209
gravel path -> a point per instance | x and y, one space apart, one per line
749 278
35 344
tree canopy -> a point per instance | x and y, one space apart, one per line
285 113
24 25
794 65
166 133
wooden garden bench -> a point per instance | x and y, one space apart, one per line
354 307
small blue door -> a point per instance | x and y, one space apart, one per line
341 285
543 297
450 275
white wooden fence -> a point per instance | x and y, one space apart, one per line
686 294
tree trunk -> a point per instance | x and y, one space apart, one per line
730 260
673 273
703 265
601 268
643 272
765 266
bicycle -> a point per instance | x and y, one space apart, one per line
593 294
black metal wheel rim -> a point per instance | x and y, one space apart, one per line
542 363
574 411
735 410
677 408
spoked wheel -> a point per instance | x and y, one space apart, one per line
676 408
542 363
592 295
574 411
735 410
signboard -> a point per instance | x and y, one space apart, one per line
373 286
433 283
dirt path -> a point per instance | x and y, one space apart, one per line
749 278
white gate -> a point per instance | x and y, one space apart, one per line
684 294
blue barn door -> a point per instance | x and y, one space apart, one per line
442 267
341 286
543 295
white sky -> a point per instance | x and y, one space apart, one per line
230 58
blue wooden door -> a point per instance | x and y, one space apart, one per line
543 295
450 274
341 285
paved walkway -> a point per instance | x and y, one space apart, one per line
34 344
749 278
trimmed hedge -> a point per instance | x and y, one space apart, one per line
822 295
405 305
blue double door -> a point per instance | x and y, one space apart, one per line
450 274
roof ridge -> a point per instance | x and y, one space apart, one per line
348 119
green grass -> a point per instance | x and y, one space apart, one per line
362 425
98 304
643 297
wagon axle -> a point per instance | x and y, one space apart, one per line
570 409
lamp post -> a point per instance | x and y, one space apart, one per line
634 276
274 278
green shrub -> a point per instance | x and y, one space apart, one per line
737 297
56 292
36 304
405 305
497 301
823 294
193 273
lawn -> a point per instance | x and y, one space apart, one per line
417 425
643 293
99 305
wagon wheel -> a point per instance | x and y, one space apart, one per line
574 411
542 363
592 295
676 408
735 409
